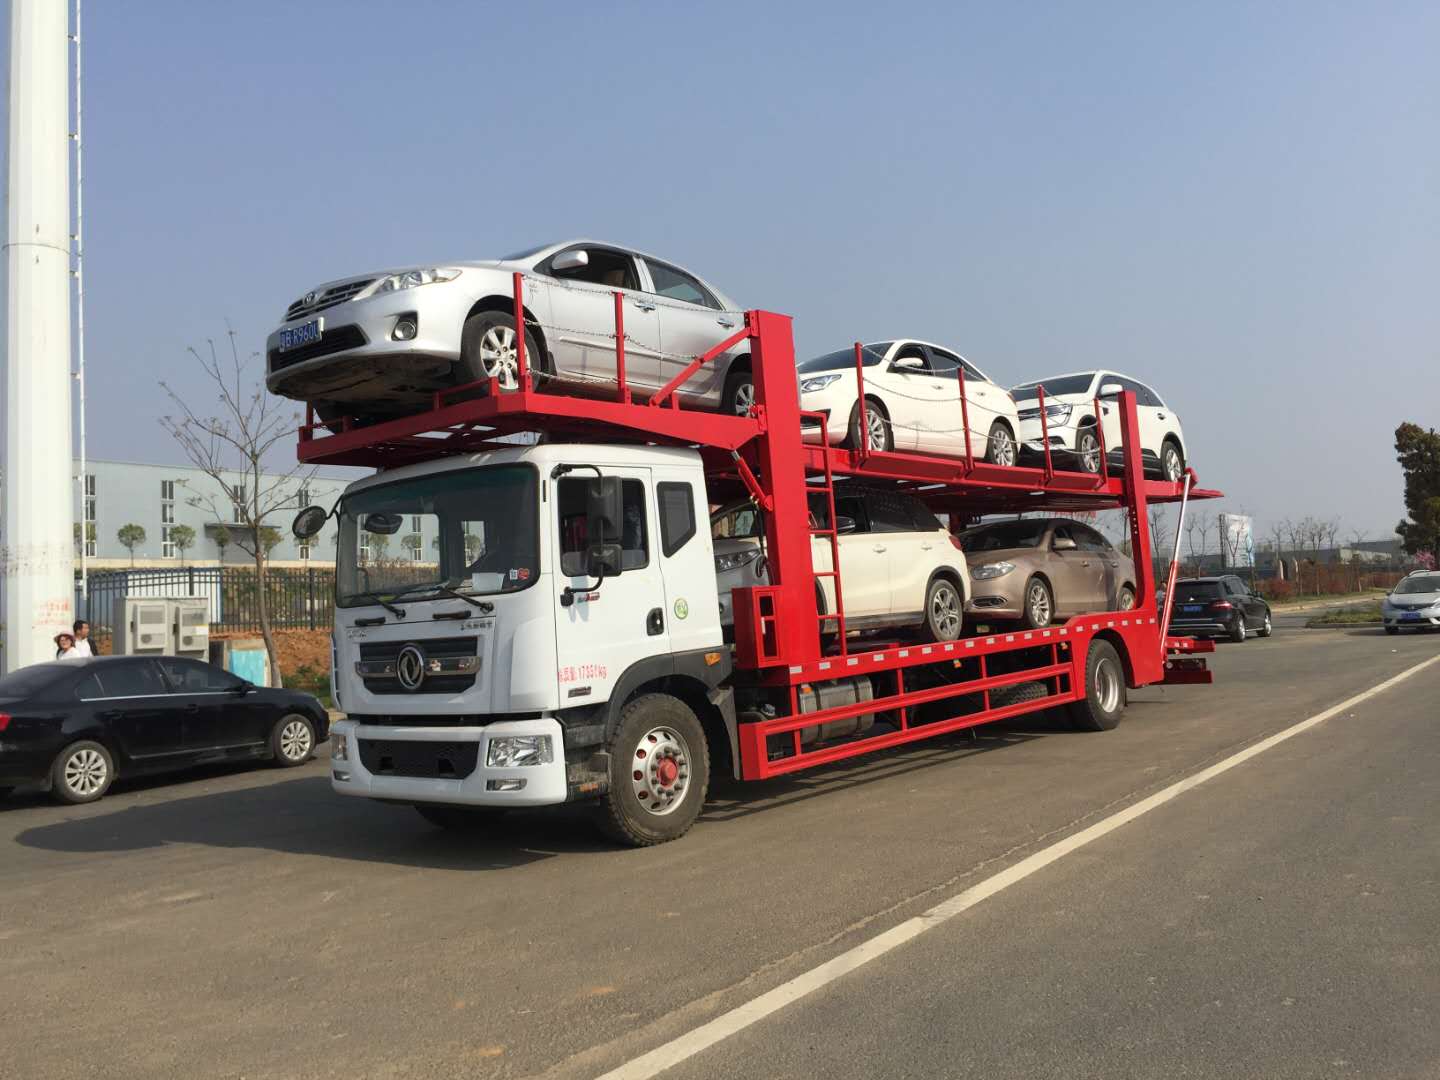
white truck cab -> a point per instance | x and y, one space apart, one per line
494 610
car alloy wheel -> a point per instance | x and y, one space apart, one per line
86 772
1002 447
1170 463
498 357
744 398
1037 603
1087 446
877 429
296 740
1126 600
944 614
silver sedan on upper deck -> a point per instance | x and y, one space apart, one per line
381 344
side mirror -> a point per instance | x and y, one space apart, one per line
383 524
604 560
1110 389
309 522
844 524
244 688
908 363
1063 543
571 260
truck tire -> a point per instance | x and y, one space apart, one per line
1005 696
1104 700
659 773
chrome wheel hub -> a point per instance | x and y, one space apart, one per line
1107 686
1002 449
1089 450
875 425
744 398
1039 605
85 772
1172 464
295 741
498 357
660 770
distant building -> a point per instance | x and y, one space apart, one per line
160 497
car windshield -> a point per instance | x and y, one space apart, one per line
33 679
1069 384
1422 583
1196 590
845 358
1003 536
471 530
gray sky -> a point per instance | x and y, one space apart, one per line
1236 203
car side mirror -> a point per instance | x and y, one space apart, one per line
1063 543
604 560
1110 389
309 522
244 688
571 260
908 363
844 524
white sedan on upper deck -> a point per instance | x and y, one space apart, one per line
381 344
1070 414
912 401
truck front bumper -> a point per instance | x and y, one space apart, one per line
432 764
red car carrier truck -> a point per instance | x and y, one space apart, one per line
560 639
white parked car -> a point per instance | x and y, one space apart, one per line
912 391
1070 419
899 567
380 344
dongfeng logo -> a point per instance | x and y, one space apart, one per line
410 667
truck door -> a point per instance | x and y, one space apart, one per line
687 561
605 523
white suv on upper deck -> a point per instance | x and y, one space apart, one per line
381 344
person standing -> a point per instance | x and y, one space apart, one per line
82 638
65 647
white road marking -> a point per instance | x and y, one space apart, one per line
742 1016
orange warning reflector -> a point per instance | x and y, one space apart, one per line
712 658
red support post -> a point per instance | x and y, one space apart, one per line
965 422
1102 469
522 367
1045 433
863 447
620 345
1146 665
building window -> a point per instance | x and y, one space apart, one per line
302 498
237 509
414 523
167 545
167 509
88 510
305 552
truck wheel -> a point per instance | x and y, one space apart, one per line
943 610
487 350
659 773
1104 699
82 772
1005 696
458 818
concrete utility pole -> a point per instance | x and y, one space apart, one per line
36 560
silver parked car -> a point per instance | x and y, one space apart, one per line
380 344
1413 603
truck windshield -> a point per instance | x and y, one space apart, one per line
470 530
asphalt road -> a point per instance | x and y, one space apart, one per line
1278 920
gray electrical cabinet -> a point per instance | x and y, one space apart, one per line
190 626
144 627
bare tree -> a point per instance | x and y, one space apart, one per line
231 449
1160 551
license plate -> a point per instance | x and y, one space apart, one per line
307 333
1411 616
1190 609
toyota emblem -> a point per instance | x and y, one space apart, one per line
410 667
311 297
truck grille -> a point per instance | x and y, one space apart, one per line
458 658
336 294
426 760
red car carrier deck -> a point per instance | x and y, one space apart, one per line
783 644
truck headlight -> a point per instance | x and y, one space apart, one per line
517 751
819 382
410 279
991 570
339 747
735 560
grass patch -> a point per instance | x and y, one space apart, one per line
1359 615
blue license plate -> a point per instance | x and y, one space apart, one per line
1190 609
306 333
1411 616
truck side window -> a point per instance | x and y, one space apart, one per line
677 516
630 532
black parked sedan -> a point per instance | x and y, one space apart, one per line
1219 605
77 724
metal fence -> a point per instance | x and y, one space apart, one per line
298 599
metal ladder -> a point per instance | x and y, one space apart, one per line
832 533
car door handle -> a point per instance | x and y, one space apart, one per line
728 324
926 547
644 305
192 709
655 622
880 548
1161 415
